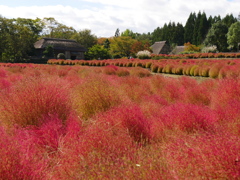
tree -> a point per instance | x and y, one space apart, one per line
129 32
217 36
106 44
49 52
85 38
178 37
196 29
189 27
18 36
157 35
140 46
213 20
145 37
97 52
3 39
54 29
121 46
203 29
229 20
233 35
117 33
190 47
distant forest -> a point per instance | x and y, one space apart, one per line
194 31
17 36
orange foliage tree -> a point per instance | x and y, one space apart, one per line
190 47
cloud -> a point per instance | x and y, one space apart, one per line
103 17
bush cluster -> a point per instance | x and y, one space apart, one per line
111 122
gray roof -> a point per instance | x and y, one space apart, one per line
177 50
157 47
59 44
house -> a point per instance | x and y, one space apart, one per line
177 50
70 48
161 47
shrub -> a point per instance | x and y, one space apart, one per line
204 71
140 72
122 72
189 118
214 71
143 54
192 70
203 156
131 118
34 98
179 70
10 167
61 56
154 68
209 49
94 96
148 65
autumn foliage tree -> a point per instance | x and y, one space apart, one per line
191 48
121 46
140 46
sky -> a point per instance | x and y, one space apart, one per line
103 17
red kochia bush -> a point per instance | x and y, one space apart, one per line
132 119
207 156
39 147
189 118
32 99
9 156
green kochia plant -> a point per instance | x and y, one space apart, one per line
61 56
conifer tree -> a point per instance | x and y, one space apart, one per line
188 29
196 29
157 35
203 29
229 20
179 34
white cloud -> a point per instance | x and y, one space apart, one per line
140 16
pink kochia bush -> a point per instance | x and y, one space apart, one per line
79 122
34 98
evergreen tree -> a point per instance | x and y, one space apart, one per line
145 37
188 29
117 33
106 44
179 34
157 35
203 29
170 32
196 29
229 20
165 31
216 19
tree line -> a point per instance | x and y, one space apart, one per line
17 36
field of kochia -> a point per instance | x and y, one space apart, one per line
119 122
211 67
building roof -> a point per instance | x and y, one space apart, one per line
157 47
177 50
59 44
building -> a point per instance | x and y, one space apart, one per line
161 47
70 48
177 50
